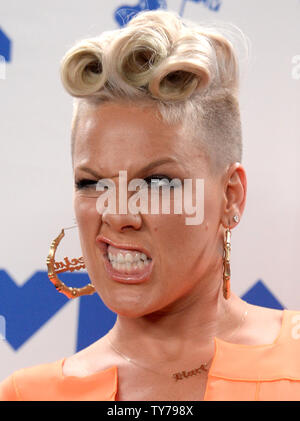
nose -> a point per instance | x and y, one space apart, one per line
119 216
121 222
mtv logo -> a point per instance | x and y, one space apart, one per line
5 46
25 309
260 295
124 14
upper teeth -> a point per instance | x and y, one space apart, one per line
128 257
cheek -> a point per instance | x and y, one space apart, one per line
213 201
88 219
85 209
182 244
172 237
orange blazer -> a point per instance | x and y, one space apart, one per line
238 372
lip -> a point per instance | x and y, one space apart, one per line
137 277
104 240
132 278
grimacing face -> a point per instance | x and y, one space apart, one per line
116 137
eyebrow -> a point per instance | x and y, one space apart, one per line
148 167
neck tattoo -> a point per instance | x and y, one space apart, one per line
185 374
181 375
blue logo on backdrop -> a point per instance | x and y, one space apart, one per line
5 46
28 307
124 14
213 5
25 309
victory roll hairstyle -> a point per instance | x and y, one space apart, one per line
190 71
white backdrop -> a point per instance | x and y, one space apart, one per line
35 165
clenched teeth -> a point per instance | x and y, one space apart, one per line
129 261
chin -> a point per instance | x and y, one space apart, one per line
126 303
126 310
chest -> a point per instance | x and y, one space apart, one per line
134 385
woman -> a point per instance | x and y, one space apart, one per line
158 100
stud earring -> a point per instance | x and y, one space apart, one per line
236 218
67 265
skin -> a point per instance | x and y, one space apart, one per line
176 314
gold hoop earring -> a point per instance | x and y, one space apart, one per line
68 265
226 264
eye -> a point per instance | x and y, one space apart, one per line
85 183
160 180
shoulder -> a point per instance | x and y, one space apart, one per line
268 326
271 325
282 324
268 351
262 325
47 382
291 327
93 359
29 382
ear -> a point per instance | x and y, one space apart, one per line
235 190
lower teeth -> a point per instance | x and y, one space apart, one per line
127 267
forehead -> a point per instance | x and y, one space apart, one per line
119 136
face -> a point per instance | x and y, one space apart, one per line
184 258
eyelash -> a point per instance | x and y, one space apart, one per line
156 177
86 183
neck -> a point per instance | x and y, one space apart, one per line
176 332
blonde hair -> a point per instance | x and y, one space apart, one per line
190 71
